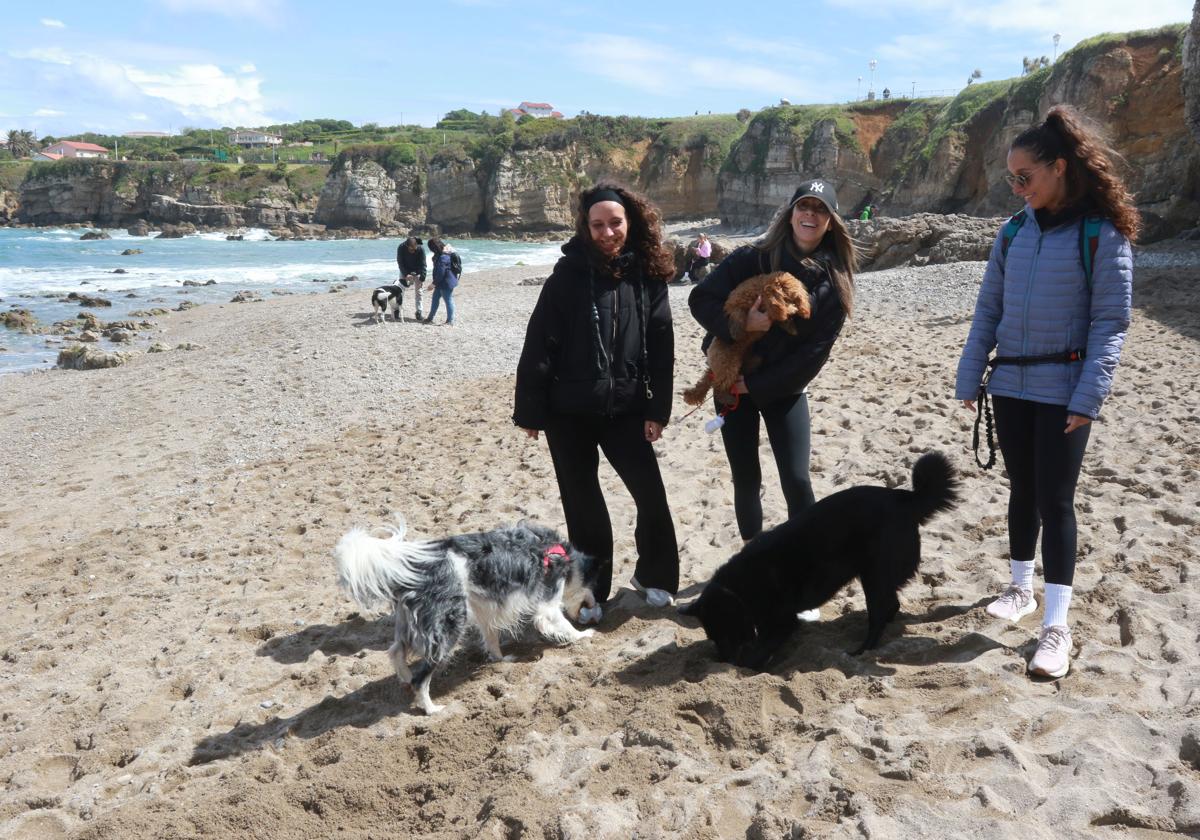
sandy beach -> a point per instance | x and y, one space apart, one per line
178 661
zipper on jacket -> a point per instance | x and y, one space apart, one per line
1037 252
612 382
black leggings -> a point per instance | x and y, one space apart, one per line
1043 468
789 430
574 442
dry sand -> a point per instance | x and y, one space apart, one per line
178 661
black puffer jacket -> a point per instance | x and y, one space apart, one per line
411 262
617 358
789 362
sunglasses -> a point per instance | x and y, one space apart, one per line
1023 179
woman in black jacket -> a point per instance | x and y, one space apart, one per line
809 240
596 374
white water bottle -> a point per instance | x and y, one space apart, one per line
714 424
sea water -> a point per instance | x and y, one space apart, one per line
40 266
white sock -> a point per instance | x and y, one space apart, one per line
1022 573
1058 601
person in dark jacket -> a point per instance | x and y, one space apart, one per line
410 256
445 281
1059 333
809 240
596 374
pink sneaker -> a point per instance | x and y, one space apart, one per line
1053 656
1014 604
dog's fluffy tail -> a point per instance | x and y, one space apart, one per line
371 569
935 486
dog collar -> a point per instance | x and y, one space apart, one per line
555 550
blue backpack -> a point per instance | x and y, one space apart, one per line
1089 240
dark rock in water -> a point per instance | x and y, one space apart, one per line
94 234
176 231
246 297
119 271
192 283
129 252
139 228
210 282
81 357
353 278
130 295
88 300
234 238
19 319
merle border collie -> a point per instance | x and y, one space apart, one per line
873 533
438 589
381 298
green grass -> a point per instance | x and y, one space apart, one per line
12 173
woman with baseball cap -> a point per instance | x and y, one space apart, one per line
809 240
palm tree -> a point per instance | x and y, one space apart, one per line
20 143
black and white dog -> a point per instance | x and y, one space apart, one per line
384 296
438 589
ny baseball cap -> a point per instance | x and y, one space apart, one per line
816 188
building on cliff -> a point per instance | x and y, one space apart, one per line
535 109
71 149
254 139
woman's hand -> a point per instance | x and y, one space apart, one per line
653 430
1076 421
532 434
969 405
757 319
739 386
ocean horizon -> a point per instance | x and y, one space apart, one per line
40 266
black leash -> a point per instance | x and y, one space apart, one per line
983 409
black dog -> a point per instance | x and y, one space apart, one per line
749 607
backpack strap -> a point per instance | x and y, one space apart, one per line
1009 231
1089 241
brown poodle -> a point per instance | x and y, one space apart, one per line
782 297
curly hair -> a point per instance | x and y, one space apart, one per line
1091 176
644 236
836 243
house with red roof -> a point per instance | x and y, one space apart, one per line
71 149
535 109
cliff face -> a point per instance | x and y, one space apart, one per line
364 195
914 157
1191 73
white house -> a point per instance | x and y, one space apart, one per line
71 149
535 109
249 139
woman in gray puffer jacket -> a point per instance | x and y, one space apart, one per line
1057 329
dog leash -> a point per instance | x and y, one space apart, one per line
983 409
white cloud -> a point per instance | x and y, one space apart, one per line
247 68
48 112
186 92
52 23
662 70
264 11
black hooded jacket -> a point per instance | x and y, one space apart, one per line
411 262
614 358
789 362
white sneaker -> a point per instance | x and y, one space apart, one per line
810 615
1053 656
1014 604
654 597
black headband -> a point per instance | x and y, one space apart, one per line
602 195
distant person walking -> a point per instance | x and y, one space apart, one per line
445 280
410 256
596 375
1057 333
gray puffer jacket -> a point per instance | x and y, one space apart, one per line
1035 301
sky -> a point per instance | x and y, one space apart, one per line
162 65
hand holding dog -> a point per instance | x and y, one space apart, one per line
532 434
653 431
757 319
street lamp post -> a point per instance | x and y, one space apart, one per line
1057 38
871 88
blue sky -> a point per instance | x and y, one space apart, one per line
68 67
